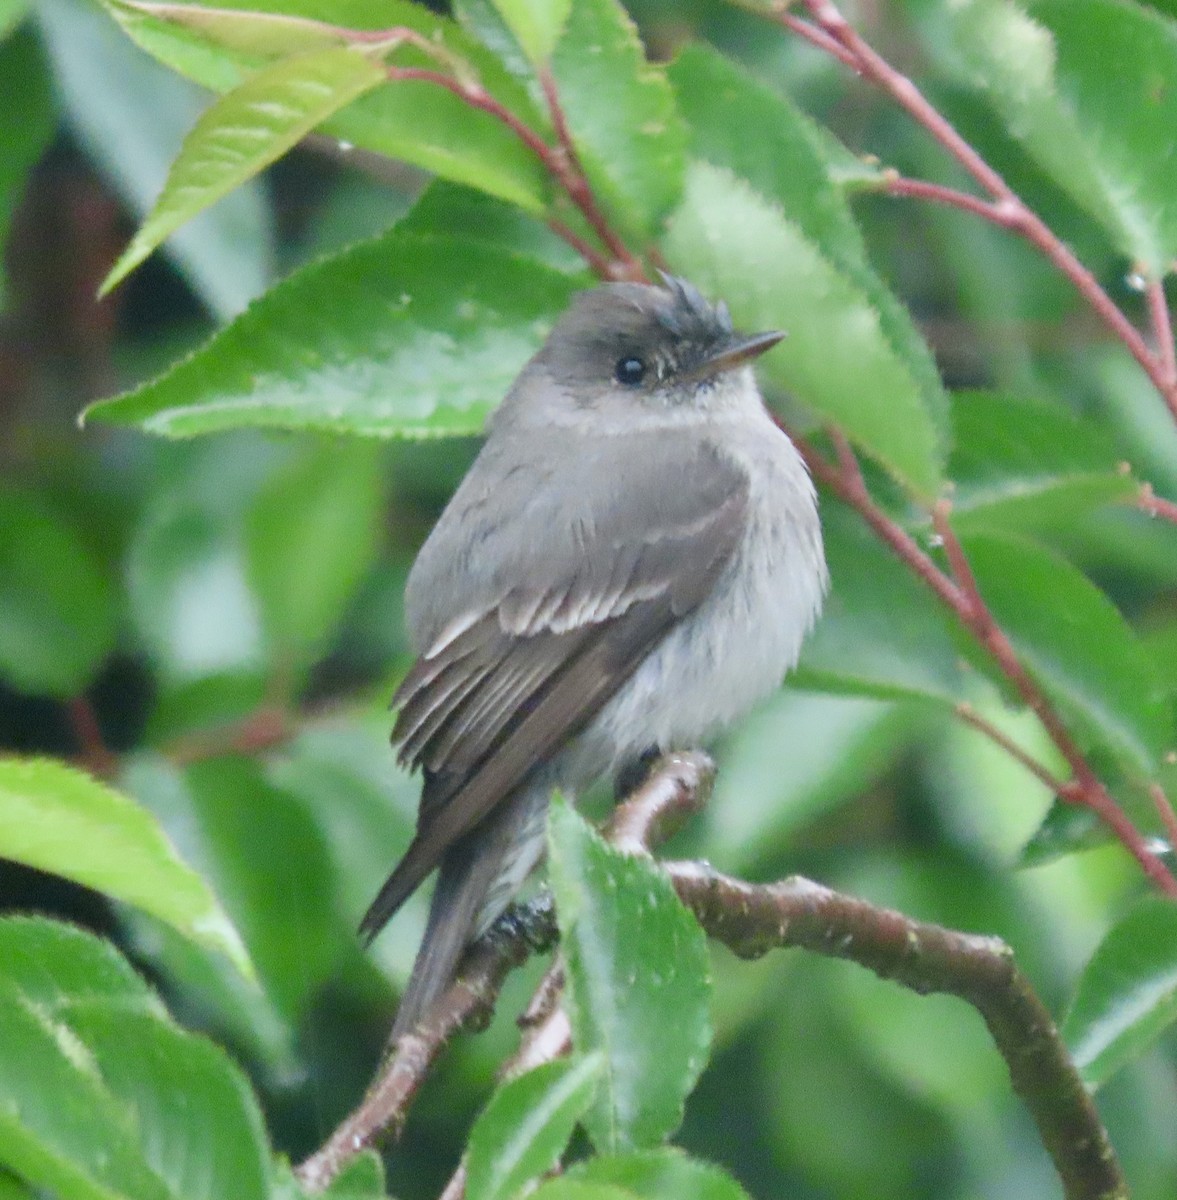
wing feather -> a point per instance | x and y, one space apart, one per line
483 706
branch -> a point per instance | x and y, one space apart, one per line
830 31
678 786
468 1003
962 597
560 161
1162 328
753 919
968 715
94 754
566 165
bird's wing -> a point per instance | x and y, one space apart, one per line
579 593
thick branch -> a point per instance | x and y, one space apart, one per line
753 919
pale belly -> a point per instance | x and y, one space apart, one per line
734 649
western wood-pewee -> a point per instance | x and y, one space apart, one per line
631 562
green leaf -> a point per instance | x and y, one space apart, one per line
882 633
59 820
1077 645
666 1174
382 340
28 118
733 242
446 210
57 608
252 839
197 1120
310 536
1127 994
12 13
414 120
484 21
620 111
12 1188
363 805
793 162
189 594
59 1126
101 1095
1021 463
57 965
243 132
130 115
638 983
526 1125
536 23
1065 829
361 1179
1089 87
579 1189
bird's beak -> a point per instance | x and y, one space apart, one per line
734 354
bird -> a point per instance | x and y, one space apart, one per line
632 561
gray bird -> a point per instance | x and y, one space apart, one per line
632 561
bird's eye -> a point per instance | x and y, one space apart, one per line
630 371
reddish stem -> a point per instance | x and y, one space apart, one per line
920 189
969 716
963 597
260 730
1156 506
819 38
848 485
559 161
1165 811
573 179
601 265
1162 328
1008 209
96 755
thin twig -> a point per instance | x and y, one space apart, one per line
95 755
1164 807
853 491
811 33
466 1004
677 786
968 715
1162 329
752 919
600 263
962 596
1156 506
920 189
559 161
1086 788
262 729
1008 210
573 178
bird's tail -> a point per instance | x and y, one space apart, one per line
477 878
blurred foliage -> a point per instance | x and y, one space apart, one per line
212 627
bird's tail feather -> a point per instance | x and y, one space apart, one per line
462 883
476 880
